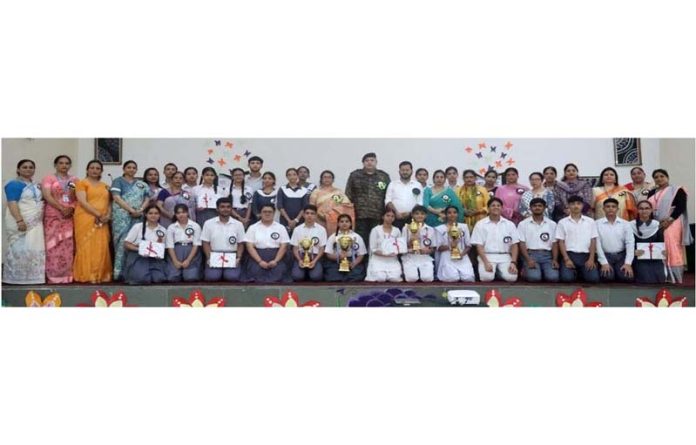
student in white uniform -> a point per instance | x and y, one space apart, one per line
577 242
312 231
254 179
403 195
334 253
538 245
616 246
241 196
139 269
223 234
267 243
419 264
450 270
207 194
183 243
496 241
386 244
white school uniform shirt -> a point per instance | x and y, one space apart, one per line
223 237
267 237
537 236
206 196
615 238
443 238
156 235
496 238
402 195
426 235
237 197
359 247
188 234
316 233
254 184
377 237
577 234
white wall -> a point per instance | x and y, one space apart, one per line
678 157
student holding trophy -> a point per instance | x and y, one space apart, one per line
345 251
421 242
308 242
454 243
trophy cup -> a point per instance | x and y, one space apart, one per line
414 228
306 244
454 235
345 242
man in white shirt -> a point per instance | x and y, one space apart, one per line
538 245
616 247
577 242
223 234
312 231
254 180
403 195
496 240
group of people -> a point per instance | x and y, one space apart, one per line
242 227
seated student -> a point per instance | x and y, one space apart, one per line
577 242
451 269
538 245
316 234
496 241
386 244
183 243
616 247
222 234
335 253
648 267
267 242
139 269
419 263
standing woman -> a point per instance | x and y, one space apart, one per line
474 200
291 199
190 178
669 204
331 202
183 243
241 197
437 198
151 178
572 185
59 193
639 186
384 265
266 195
25 257
206 196
491 182
647 230
92 215
538 191
169 171
550 182
609 187
130 198
139 269
511 195
169 198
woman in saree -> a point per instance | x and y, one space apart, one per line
638 185
130 198
151 178
331 202
437 198
474 199
59 193
169 198
609 187
92 215
550 183
669 204
25 256
511 195
572 185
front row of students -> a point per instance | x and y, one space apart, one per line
549 251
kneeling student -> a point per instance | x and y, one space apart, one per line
386 244
496 241
538 245
616 246
267 243
345 250
223 246
183 244
421 242
144 262
308 242
454 244
577 242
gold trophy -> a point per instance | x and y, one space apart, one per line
454 235
414 227
345 242
306 244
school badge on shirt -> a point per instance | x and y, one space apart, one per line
545 236
507 239
275 236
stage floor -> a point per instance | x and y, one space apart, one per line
342 295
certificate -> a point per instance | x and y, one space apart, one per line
223 260
151 249
651 251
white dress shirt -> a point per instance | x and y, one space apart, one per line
402 195
496 238
254 183
188 234
577 234
615 237
223 237
316 233
156 235
267 237
537 236
237 197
